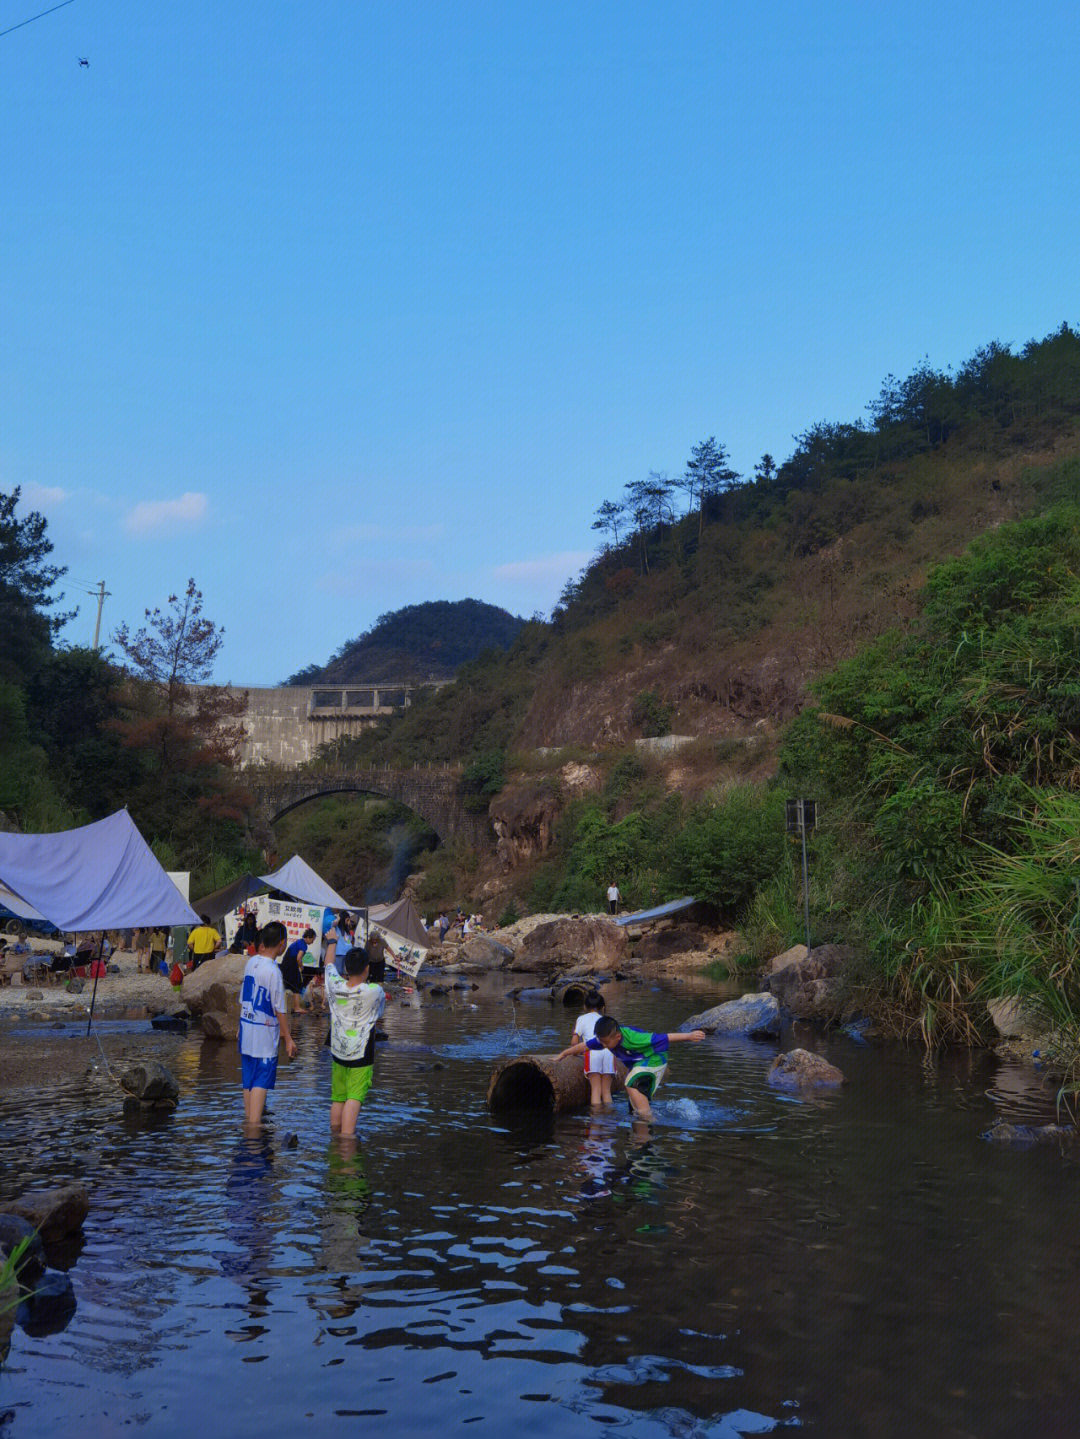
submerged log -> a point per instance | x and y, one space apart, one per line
536 1081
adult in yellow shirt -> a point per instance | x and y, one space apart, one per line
203 941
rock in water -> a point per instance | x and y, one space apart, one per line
1023 1135
484 952
49 1308
811 987
150 1082
54 1212
802 1069
13 1230
216 1024
751 1015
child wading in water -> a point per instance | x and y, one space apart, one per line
356 1005
643 1053
599 1063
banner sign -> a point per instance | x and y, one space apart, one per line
295 916
404 956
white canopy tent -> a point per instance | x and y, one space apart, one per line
298 879
102 876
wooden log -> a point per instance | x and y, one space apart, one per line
536 1081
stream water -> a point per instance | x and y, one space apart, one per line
861 1264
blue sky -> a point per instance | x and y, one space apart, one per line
341 307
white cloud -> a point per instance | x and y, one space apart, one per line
149 515
544 570
42 497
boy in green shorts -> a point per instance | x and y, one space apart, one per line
643 1053
355 1005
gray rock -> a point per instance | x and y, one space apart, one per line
794 955
217 1025
1015 1018
591 942
33 994
54 1212
802 1069
148 1079
75 986
752 1014
1021 1136
812 987
485 952
13 1230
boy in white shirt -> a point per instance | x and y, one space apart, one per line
263 1020
355 1005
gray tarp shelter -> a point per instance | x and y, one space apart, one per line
298 879
223 901
402 930
102 876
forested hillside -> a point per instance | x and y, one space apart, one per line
420 642
716 598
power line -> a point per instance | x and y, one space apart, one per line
40 15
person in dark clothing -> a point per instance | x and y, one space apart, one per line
249 930
292 969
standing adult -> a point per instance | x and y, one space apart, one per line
203 941
263 1020
159 943
292 972
614 898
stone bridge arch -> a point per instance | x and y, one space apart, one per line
430 793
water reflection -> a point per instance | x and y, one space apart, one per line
864 1265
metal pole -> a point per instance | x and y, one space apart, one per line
100 607
805 877
97 971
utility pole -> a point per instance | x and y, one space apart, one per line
102 594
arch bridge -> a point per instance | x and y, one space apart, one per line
432 793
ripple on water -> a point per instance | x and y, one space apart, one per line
745 1255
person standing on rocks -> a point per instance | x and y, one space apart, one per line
614 898
203 941
263 1020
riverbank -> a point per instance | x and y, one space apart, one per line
115 993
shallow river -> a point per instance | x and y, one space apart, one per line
863 1264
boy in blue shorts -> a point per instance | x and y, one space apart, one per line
263 1020
643 1053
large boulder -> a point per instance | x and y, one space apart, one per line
227 971
1015 1018
148 1081
812 987
751 1015
54 1212
793 955
662 943
217 1024
590 942
802 1069
484 952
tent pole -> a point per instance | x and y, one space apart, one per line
97 971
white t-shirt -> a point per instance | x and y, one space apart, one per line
597 1061
353 1014
262 999
613 893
